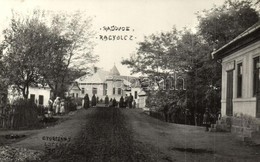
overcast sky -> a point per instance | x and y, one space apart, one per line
143 17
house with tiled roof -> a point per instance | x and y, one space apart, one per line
110 83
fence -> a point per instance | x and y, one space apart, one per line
22 114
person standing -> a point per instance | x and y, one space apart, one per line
50 105
206 119
106 101
86 101
114 102
62 106
94 101
126 101
57 105
130 100
121 102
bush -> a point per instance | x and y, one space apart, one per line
71 104
24 114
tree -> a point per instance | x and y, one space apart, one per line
158 58
74 55
219 25
189 55
22 45
44 49
154 55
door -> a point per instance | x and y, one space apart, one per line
257 93
229 97
32 98
41 99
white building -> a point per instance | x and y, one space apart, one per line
40 95
240 73
102 83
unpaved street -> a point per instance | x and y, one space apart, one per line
188 143
112 134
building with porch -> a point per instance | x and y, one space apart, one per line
102 83
240 73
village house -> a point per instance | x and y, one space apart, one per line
240 74
112 84
38 94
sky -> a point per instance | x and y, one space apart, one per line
140 17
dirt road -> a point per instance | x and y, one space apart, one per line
188 143
117 135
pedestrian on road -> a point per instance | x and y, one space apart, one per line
114 102
121 102
50 106
206 119
56 104
130 100
62 107
94 101
106 100
126 100
86 101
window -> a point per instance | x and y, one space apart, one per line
40 99
77 95
119 91
105 89
114 91
239 79
94 90
32 97
73 95
135 94
82 90
255 73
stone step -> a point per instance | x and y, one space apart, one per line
255 137
243 138
212 130
222 128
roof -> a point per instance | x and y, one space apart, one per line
114 71
74 86
99 77
246 38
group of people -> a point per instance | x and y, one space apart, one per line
127 102
209 118
86 101
57 106
124 102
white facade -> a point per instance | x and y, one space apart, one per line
40 95
240 63
104 83
245 104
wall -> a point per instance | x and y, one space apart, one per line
247 103
40 91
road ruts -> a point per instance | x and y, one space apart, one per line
105 138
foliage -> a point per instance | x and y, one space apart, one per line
43 48
74 56
155 54
188 55
22 114
22 46
71 104
221 24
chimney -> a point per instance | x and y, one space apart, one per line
95 69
